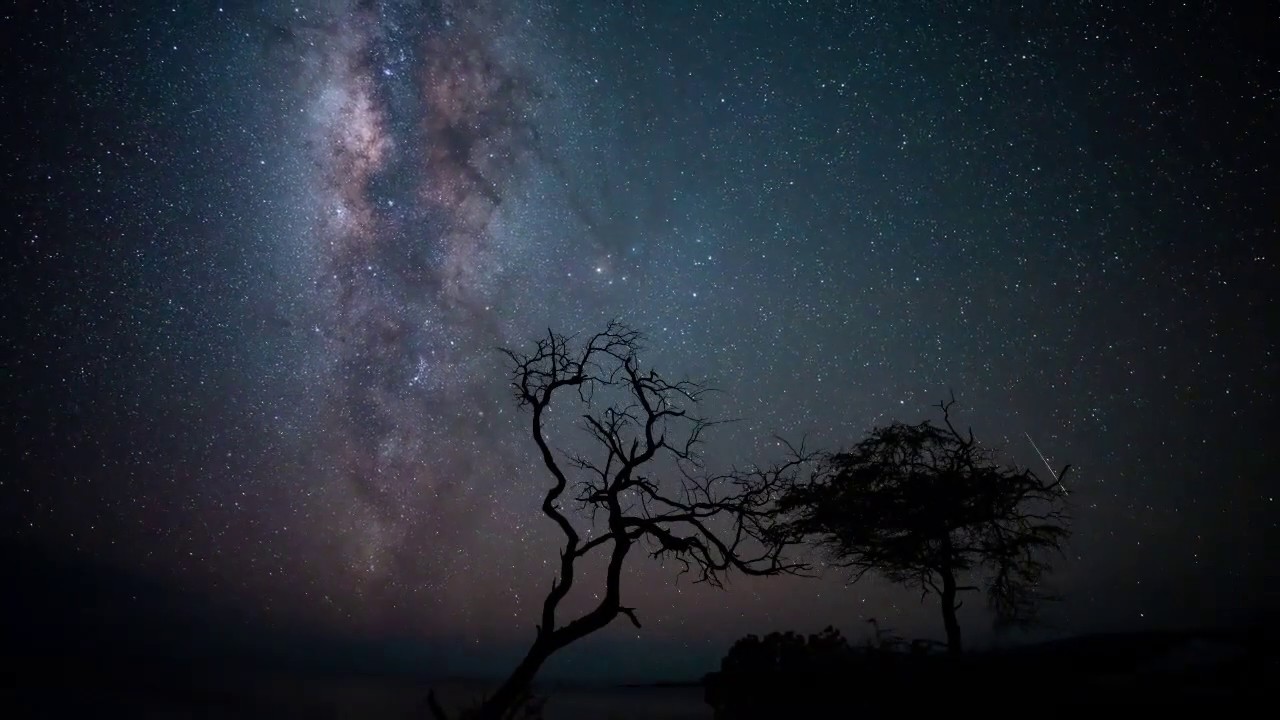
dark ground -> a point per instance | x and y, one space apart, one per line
80 640
1205 669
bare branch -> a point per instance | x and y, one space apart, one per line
631 614
644 479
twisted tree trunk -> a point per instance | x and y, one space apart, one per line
949 591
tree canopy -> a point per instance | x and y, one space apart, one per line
928 506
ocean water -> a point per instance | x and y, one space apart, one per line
227 693
596 702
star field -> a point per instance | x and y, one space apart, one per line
262 256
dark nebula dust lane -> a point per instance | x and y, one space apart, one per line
263 254
419 127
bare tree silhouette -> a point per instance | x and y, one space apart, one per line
647 480
924 505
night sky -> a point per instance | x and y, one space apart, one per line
259 256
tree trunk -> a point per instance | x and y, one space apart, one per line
516 686
954 644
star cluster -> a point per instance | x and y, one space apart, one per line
263 257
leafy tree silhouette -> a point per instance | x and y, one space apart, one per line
926 505
645 480
779 674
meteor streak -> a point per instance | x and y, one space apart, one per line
1045 460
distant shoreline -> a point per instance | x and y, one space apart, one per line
665 684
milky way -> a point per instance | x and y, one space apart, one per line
267 254
418 130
